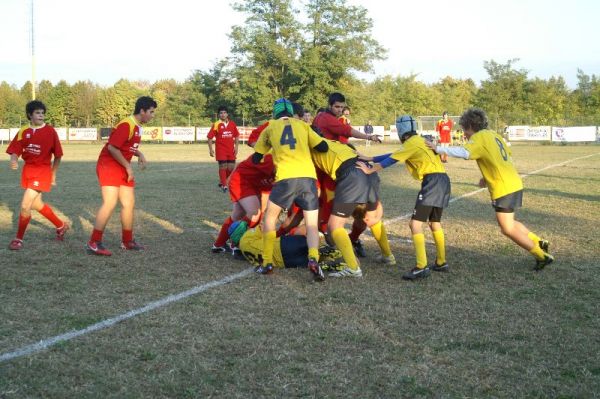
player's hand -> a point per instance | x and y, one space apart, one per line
14 164
482 183
364 167
142 161
53 179
375 138
129 173
211 153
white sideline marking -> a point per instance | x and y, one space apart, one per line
45 343
407 215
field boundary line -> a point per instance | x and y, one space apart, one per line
474 192
46 343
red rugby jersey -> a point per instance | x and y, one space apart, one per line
36 145
224 135
126 136
331 128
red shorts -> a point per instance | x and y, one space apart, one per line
112 174
240 187
445 138
37 177
225 156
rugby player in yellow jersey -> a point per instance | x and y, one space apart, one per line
289 251
290 141
424 165
494 159
353 187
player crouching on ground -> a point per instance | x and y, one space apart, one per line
494 159
424 165
289 251
36 144
116 179
290 141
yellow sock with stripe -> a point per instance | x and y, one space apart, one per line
420 252
343 243
268 244
313 253
440 246
533 237
537 252
380 235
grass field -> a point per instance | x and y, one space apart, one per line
492 327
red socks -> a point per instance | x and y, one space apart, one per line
223 176
358 227
223 235
23 222
96 235
47 212
126 236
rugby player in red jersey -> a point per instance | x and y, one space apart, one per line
225 134
36 144
116 178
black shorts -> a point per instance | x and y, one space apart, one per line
424 213
509 202
294 251
226 162
355 188
435 191
301 190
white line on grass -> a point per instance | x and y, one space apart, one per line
407 215
45 343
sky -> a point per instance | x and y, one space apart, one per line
106 40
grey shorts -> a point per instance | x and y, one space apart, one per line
435 191
354 188
509 202
301 190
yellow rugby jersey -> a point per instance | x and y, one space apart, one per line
494 159
251 246
291 141
330 161
419 159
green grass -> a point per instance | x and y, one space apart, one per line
491 327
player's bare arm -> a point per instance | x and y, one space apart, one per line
55 165
142 162
14 161
116 154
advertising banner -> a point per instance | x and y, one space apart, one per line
529 133
12 132
179 133
201 133
574 134
83 134
151 133
62 133
4 134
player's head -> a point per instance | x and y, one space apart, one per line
35 110
282 107
307 117
337 103
473 120
445 115
346 111
223 113
406 126
298 110
144 108
236 231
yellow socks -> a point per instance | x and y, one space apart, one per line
533 237
380 235
421 254
268 244
440 246
537 252
313 253
343 243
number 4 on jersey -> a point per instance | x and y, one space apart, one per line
287 137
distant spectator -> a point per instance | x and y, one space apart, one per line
368 128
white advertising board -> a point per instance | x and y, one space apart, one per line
574 134
529 133
12 132
4 134
62 133
178 133
201 133
83 134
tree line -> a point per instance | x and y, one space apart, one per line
304 55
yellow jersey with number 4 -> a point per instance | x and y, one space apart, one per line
330 161
494 159
290 141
